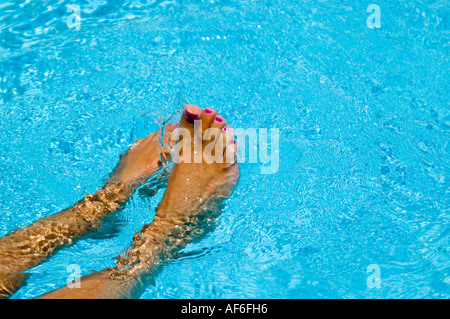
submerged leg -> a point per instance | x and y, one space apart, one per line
29 246
193 189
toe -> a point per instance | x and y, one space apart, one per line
190 114
167 137
230 154
168 141
216 126
226 137
208 117
168 134
219 122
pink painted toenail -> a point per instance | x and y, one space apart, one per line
218 119
234 142
192 116
225 128
208 111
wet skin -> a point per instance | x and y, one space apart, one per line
193 189
29 246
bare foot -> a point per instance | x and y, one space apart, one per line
193 188
212 176
144 157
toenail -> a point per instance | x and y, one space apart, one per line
218 119
192 116
234 142
208 111
225 128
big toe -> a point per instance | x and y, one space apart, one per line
190 114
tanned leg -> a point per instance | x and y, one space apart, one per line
193 189
29 246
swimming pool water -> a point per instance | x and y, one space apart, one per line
363 116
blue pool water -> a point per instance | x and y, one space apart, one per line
363 115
